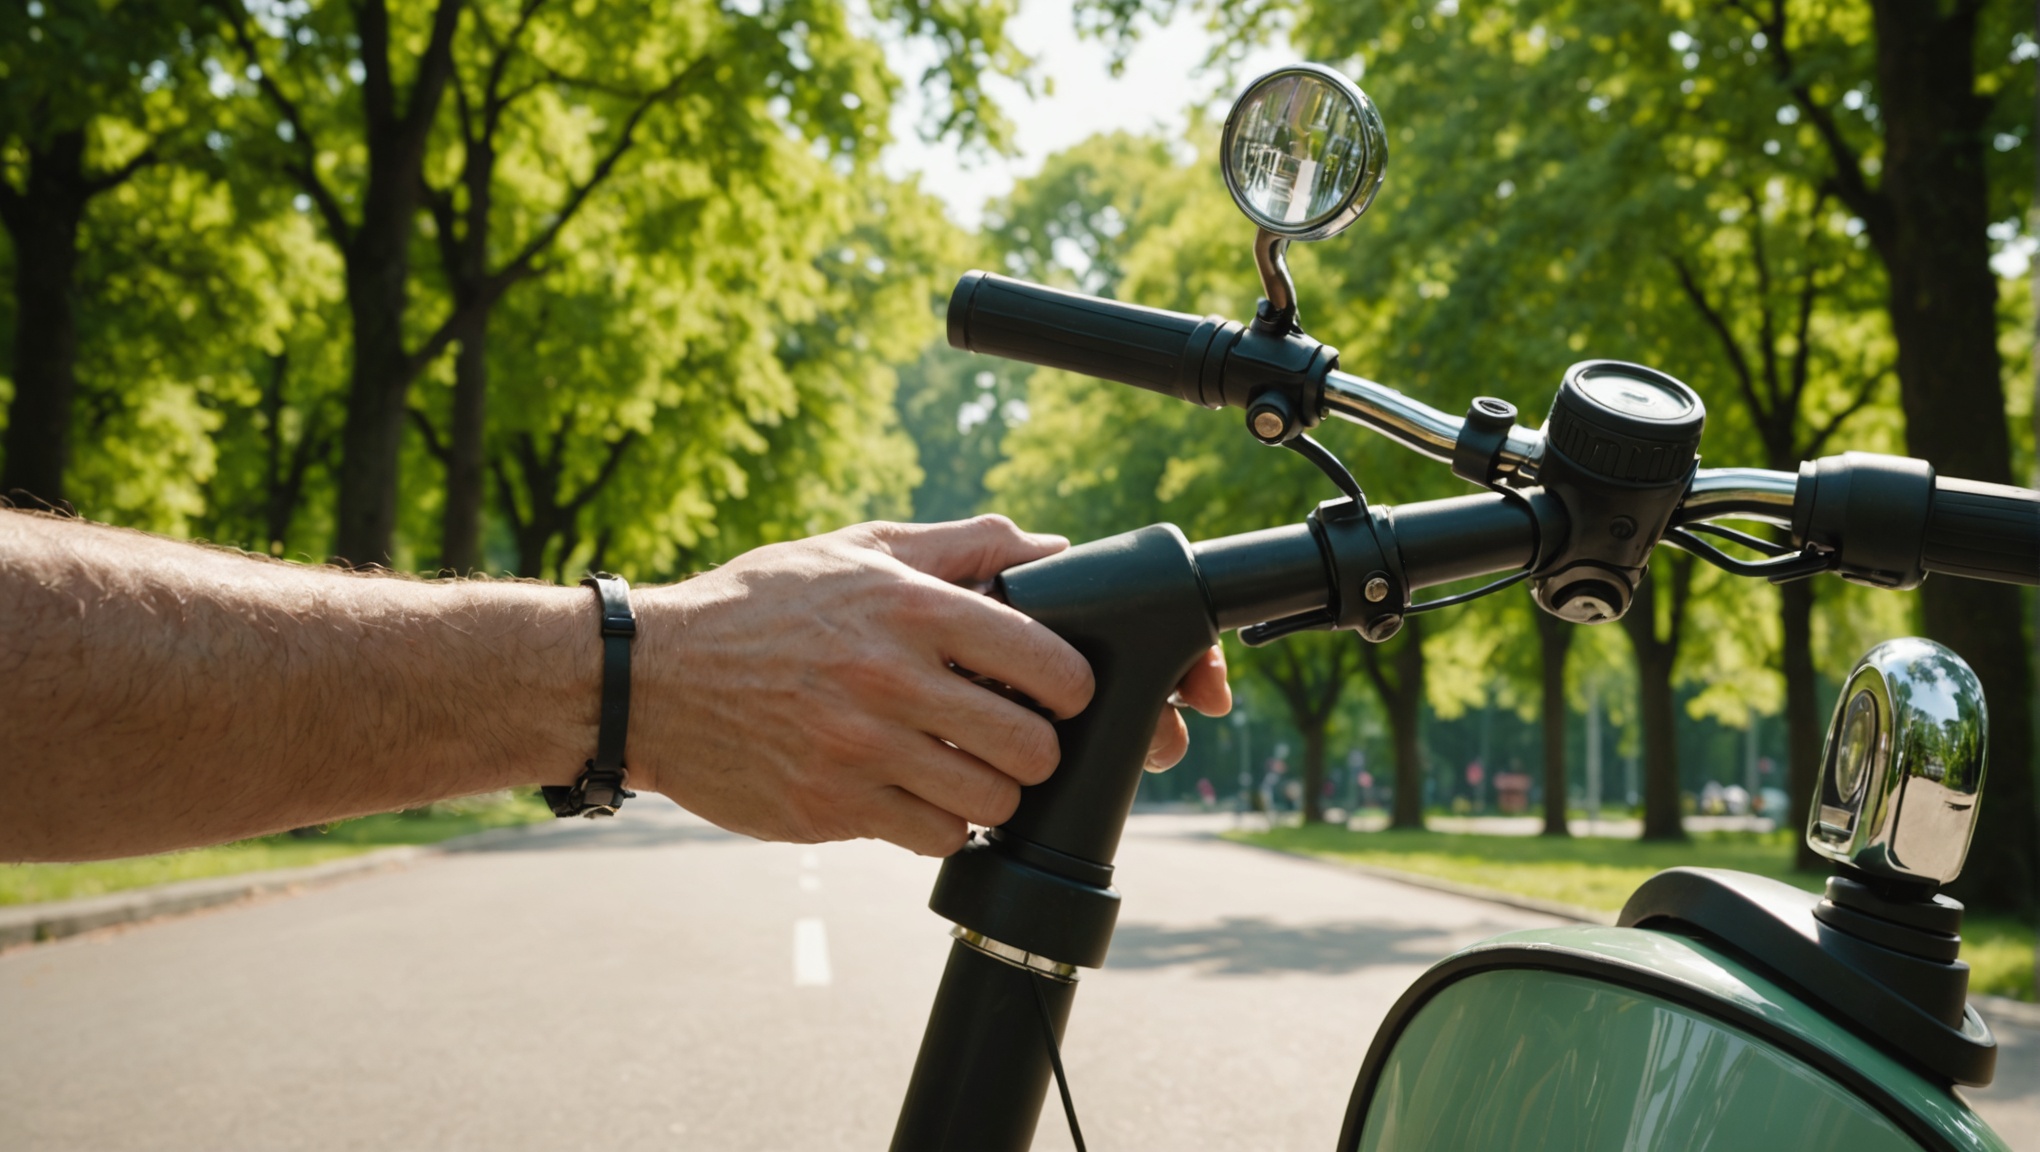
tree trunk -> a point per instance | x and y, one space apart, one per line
1402 697
1655 660
378 258
1314 772
1661 815
1554 639
43 221
1943 307
467 267
286 465
372 441
461 530
1803 731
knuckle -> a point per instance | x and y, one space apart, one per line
918 603
944 841
1034 747
872 675
842 741
1000 798
1071 675
995 523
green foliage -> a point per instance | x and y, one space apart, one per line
702 282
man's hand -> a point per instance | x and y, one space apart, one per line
811 690
1204 689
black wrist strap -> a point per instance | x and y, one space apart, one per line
599 791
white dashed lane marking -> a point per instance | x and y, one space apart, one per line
810 953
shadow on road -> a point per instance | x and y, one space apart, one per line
1251 946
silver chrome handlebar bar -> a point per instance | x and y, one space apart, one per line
1716 493
1417 425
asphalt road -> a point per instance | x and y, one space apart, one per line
654 983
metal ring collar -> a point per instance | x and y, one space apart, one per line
1007 954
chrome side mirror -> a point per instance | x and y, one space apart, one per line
1303 152
1902 772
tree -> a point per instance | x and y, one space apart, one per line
74 125
709 372
958 407
1763 317
1554 640
1399 681
1656 642
496 70
373 156
1074 223
796 66
1916 172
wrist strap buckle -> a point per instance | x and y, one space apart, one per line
598 792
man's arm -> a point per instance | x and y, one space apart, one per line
159 695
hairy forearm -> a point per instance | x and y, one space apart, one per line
156 695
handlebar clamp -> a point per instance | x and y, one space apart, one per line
1478 453
1369 590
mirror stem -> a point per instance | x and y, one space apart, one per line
1278 311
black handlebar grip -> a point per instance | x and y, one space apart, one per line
1166 352
1985 531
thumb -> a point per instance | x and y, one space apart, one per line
965 551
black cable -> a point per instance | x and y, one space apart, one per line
1463 597
1327 463
1753 543
1062 1083
1793 567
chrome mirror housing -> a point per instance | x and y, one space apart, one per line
1902 773
1303 153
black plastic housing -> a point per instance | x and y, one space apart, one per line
1889 521
1871 511
1913 1006
1620 479
1134 606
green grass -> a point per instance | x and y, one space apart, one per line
1600 874
34 883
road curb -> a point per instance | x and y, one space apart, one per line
23 924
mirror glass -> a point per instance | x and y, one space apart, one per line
1304 151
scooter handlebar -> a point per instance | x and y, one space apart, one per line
1149 348
1986 531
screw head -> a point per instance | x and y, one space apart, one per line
1269 424
1376 590
1622 528
1381 628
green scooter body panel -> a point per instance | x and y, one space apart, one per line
1554 1046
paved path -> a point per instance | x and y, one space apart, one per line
657 984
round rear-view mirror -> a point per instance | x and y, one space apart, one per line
1303 152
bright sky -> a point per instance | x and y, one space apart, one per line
1160 84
